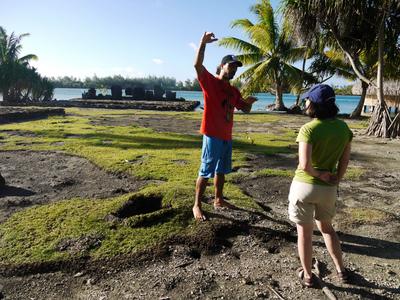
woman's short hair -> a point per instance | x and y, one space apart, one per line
322 111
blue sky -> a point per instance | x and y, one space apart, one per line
132 38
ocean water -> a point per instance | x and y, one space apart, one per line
346 104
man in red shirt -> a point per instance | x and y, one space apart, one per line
220 100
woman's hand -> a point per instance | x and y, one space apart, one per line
328 177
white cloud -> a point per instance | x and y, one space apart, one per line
193 46
158 61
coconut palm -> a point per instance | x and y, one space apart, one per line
15 73
269 55
354 26
314 47
334 62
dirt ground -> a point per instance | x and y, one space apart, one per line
253 255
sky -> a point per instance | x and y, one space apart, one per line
132 38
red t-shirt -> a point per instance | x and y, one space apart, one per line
220 100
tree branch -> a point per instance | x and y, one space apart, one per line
352 62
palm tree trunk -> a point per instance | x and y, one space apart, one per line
279 99
302 80
381 124
357 111
352 61
6 95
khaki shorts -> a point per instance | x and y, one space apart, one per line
310 201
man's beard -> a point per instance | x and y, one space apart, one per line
230 76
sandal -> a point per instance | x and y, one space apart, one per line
306 282
343 276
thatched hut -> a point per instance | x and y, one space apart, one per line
391 91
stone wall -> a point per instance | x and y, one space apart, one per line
116 104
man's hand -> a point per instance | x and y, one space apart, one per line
208 37
250 100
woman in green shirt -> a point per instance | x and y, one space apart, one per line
324 152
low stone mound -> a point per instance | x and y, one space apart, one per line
117 104
17 114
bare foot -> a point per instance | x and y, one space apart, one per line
221 203
198 213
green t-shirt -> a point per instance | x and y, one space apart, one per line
328 139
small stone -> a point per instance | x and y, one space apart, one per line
247 281
79 274
391 273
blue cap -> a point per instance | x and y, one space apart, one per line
320 93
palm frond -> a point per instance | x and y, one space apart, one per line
28 57
266 21
244 24
255 78
238 44
251 58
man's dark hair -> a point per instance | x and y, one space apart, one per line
218 70
327 110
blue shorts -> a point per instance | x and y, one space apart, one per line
216 157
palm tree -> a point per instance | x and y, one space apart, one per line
354 26
334 62
270 55
11 65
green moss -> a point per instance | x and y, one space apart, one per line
237 177
358 124
33 234
365 215
274 172
354 173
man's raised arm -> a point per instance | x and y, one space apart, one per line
208 37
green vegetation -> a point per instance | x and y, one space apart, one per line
343 90
35 234
358 125
18 80
269 53
167 83
236 177
370 48
354 173
365 215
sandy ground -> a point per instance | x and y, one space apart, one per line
251 256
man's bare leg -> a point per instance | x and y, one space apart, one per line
219 201
201 185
